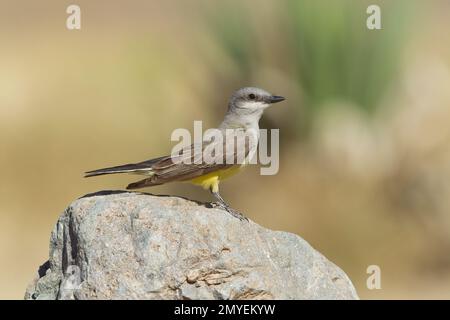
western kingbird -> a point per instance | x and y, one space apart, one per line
245 108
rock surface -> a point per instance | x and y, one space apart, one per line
124 245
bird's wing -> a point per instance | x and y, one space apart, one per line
193 162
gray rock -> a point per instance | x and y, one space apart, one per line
124 245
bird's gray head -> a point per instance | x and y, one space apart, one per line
251 100
246 107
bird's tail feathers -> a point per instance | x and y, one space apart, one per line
138 168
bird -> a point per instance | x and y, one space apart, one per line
245 108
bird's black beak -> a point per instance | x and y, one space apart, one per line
275 99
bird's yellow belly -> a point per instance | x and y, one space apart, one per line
212 179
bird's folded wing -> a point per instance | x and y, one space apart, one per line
196 161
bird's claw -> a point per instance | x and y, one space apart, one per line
231 211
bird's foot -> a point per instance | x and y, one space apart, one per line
230 210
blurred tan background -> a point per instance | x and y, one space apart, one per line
365 133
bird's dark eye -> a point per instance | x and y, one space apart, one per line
251 96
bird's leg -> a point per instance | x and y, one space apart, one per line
221 203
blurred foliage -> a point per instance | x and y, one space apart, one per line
236 34
338 60
326 43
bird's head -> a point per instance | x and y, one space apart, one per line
249 100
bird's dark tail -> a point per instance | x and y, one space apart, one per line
132 167
144 167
